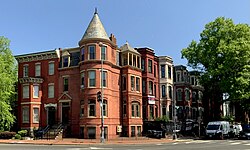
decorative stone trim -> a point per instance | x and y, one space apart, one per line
30 80
50 105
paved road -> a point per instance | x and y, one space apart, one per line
178 145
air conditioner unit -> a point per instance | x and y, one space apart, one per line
82 86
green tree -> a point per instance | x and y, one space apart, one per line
223 56
8 78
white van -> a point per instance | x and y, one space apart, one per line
218 129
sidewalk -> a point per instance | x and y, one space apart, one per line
75 141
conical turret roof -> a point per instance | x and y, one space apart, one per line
95 29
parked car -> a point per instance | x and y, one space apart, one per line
218 129
245 133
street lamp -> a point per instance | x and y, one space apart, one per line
101 104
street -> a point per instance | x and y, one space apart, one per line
178 145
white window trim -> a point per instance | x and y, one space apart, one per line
105 51
37 114
106 78
38 64
24 75
89 78
34 91
28 96
51 62
24 121
51 84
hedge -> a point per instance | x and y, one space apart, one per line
7 135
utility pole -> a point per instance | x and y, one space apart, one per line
102 122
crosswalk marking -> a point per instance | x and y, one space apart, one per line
235 143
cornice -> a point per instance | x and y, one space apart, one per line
38 56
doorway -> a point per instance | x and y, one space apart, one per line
51 116
65 113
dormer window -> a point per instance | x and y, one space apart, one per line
65 59
92 52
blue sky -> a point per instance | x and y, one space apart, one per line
164 25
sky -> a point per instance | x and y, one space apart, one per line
167 26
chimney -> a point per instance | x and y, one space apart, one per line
112 38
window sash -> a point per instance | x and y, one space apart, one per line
150 87
51 93
35 91
150 66
91 110
169 72
163 71
65 61
51 68
25 115
38 70
137 84
66 84
91 52
26 91
132 83
163 90
103 52
104 79
25 71
82 79
35 115
92 78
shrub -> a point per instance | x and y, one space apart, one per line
7 135
18 136
22 133
162 119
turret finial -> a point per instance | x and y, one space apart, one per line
96 11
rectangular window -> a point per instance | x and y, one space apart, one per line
154 70
65 84
38 70
132 83
35 91
156 111
150 88
170 91
91 108
82 80
143 87
164 111
143 64
92 78
65 61
92 132
178 77
25 114
137 84
155 91
104 78
163 91
91 52
124 83
132 131
25 71
105 108
35 115
26 91
51 68
169 72
103 52
163 71
135 110
139 131
192 81
150 67
51 91
138 62
82 53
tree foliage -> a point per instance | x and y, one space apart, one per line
8 78
223 56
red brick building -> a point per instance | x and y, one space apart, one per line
60 87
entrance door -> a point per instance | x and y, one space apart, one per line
65 113
51 116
